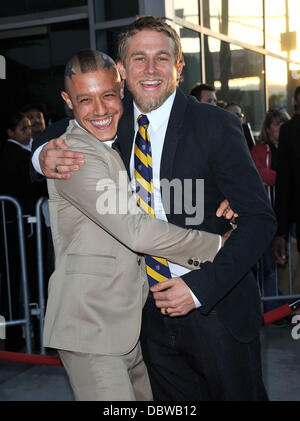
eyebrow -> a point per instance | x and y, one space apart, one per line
89 94
142 52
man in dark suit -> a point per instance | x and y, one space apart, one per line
287 186
200 332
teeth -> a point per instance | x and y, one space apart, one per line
151 82
101 123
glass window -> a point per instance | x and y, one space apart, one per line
190 42
294 54
188 10
15 8
238 19
35 66
294 13
275 24
238 75
115 9
276 79
107 41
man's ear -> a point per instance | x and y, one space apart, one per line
179 68
121 69
10 133
67 99
122 83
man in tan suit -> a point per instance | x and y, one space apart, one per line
98 289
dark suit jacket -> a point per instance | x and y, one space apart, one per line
288 181
206 142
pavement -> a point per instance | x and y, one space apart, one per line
280 360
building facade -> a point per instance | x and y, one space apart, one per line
250 51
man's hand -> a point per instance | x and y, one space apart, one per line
173 297
225 210
57 162
279 249
225 237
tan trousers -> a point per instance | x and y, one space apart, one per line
103 377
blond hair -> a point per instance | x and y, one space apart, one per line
151 23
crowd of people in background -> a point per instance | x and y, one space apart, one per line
15 181
29 122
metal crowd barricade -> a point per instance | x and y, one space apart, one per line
40 262
24 321
278 296
38 309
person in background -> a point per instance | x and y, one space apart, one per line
221 103
235 108
287 187
265 156
204 93
15 181
36 114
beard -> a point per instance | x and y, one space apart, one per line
147 104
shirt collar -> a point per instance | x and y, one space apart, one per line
158 116
27 147
107 142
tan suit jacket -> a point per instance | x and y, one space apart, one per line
96 293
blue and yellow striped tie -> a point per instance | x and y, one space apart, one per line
157 268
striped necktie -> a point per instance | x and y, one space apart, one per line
157 268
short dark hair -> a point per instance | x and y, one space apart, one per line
34 106
234 103
14 119
196 91
86 61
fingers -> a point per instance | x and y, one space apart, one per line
222 208
225 210
279 250
229 214
58 143
59 163
170 312
280 257
59 176
160 286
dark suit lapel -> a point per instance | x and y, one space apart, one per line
173 135
125 132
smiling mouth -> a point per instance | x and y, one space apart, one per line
151 83
102 124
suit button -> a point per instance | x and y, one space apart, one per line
190 261
196 263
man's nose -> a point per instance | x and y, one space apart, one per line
151 67
100 107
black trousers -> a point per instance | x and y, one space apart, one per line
195 358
